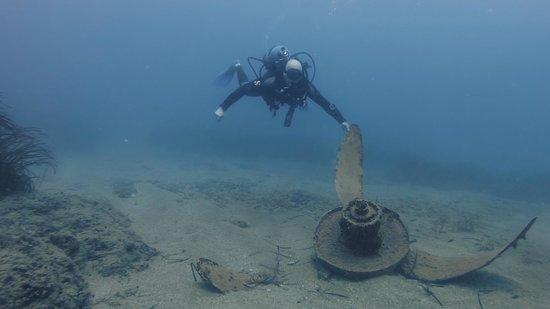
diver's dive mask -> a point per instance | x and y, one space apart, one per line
293 72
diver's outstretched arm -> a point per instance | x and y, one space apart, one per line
330 108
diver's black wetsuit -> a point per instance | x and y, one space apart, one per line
275 92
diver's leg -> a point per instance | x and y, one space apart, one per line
248 89
241 75
289 115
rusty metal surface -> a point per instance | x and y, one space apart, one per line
329 243
330 248
221 277
349 169
427 267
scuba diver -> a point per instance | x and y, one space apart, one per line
285 82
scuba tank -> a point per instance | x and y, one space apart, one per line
276 58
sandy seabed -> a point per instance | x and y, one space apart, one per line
237 213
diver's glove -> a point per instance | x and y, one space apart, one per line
219 113
345 126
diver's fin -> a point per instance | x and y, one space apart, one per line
427 267
224 78
349 169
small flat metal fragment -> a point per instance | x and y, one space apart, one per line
427 267
349 169
221 277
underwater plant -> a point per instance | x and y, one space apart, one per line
21 149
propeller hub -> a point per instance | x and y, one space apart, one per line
359 226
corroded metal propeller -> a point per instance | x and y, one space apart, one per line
364 239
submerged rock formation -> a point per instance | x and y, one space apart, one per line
48 242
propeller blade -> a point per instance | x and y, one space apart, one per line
427 267
349 169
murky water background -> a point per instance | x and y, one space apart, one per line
451 99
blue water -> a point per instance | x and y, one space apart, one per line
452 98
444 84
